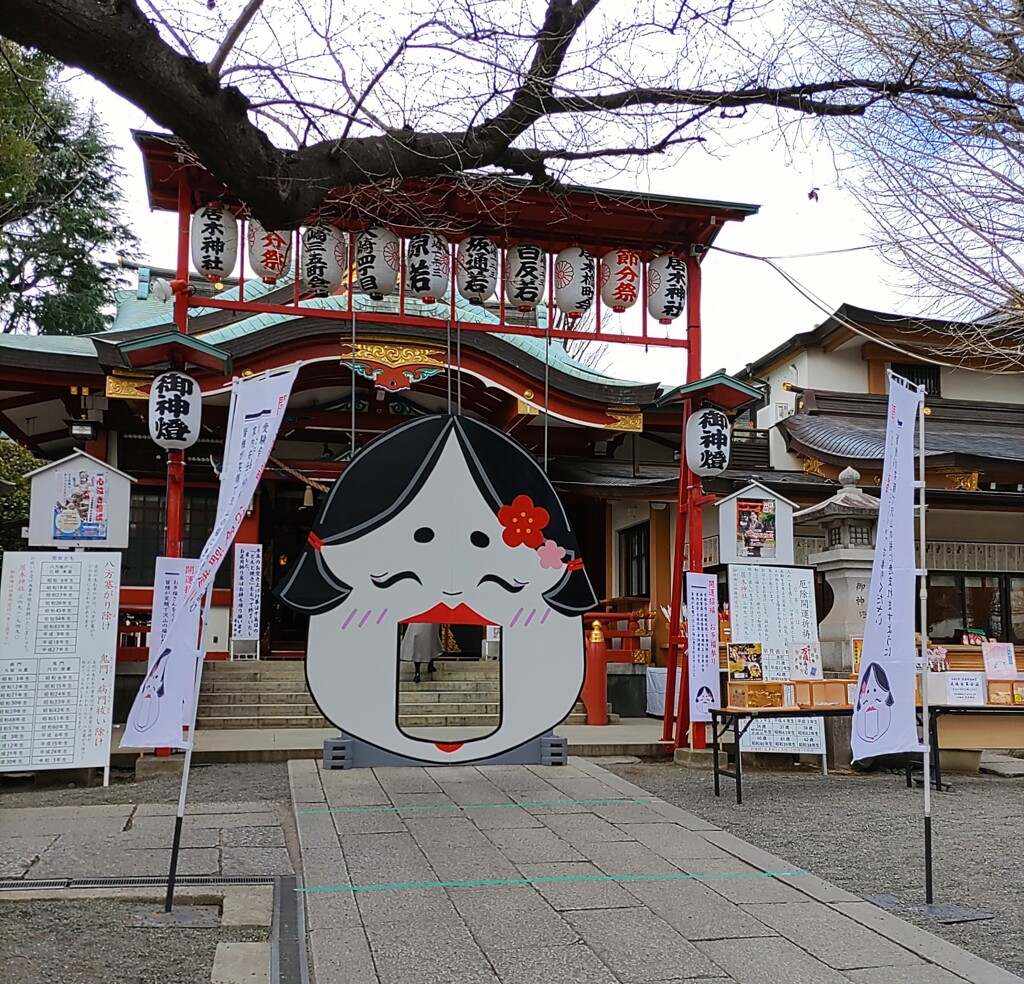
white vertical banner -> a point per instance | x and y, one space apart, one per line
257 408
884 720
172 582
702 644
245 604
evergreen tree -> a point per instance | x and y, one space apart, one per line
59 204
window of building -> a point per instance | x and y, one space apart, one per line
921 375
147 534
993 603
835 536
860 536
635 561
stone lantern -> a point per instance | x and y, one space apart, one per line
850 520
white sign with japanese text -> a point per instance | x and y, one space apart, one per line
775 606
59 646
245 604
702 644
257 408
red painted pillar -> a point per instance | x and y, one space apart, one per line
174 533
694 496
595 683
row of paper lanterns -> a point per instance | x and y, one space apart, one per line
578 274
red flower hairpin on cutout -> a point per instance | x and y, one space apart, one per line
523 522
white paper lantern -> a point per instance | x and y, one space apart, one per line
161 290
214 241
378 260
270 252
324 259
574 281
620 279
524 276
175 411
666 288
427 267
707 442
476 269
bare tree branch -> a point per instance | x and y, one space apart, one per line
247 14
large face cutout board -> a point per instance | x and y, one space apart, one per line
441 521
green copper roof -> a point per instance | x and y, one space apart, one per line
151 312
50 344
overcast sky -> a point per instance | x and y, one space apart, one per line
748 308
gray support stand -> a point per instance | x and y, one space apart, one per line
346 752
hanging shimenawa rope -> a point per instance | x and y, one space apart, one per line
305 479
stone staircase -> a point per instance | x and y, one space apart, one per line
273 694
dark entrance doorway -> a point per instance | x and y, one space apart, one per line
284 525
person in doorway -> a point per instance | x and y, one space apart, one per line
421 644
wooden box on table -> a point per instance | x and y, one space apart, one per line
761 694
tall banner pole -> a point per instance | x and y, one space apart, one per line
922 574
179 819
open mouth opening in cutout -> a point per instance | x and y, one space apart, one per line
449 677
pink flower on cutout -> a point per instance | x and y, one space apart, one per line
551 555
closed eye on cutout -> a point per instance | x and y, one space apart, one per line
509 586
383 581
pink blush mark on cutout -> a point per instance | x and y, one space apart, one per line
355 611
362 621
529 618
515 618
380 618
544 617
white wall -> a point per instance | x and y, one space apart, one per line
842 370
962 384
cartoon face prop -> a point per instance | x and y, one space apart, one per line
442 520
148 711
874 702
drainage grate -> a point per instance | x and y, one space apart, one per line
18 885
288 937
182 881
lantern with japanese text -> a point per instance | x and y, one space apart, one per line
707 441
270 252
524 276
214 241
574 281
427 267
476 269
175 411
324 259
378 260
666 288
620 279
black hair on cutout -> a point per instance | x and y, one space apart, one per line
385 476
876 671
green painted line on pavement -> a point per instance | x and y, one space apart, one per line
559 879
480 806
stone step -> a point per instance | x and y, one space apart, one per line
461 707
226 698
451 696
448 721
269 721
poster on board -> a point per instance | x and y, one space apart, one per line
776 605
80 504
755 528
59 646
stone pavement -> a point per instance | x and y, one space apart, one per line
533 875
106 841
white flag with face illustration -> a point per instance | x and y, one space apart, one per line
884 716
164 702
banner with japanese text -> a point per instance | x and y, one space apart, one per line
245 603
884 715
257 408
702 644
